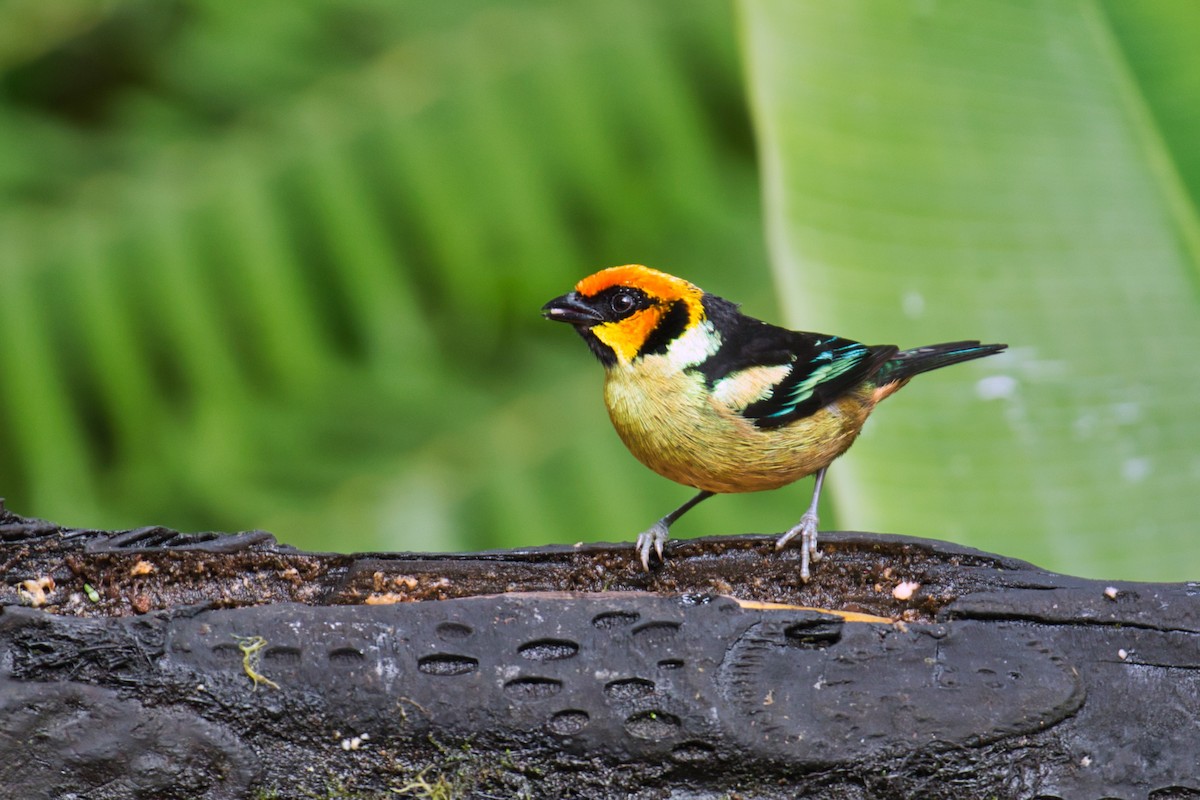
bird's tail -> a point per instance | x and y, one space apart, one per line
908 363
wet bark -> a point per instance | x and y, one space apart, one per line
156 664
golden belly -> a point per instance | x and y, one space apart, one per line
676 429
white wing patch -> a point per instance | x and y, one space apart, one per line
741 388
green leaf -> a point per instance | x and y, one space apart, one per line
1017 172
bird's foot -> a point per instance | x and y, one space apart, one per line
652 539
806 529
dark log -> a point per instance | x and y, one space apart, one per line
155 664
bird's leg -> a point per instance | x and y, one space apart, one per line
806 529
657 536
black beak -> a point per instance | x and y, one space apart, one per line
571 308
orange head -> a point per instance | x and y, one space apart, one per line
627 312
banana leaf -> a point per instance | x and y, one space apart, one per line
1017 172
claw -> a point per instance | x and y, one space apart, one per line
806 529
658 533
654 538
813 552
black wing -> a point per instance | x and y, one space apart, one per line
821 367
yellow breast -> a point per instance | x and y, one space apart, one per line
674 426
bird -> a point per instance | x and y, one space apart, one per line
723 402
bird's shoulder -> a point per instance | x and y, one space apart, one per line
772 375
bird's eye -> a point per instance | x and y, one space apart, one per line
623 302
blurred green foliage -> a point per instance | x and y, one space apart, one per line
279 264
